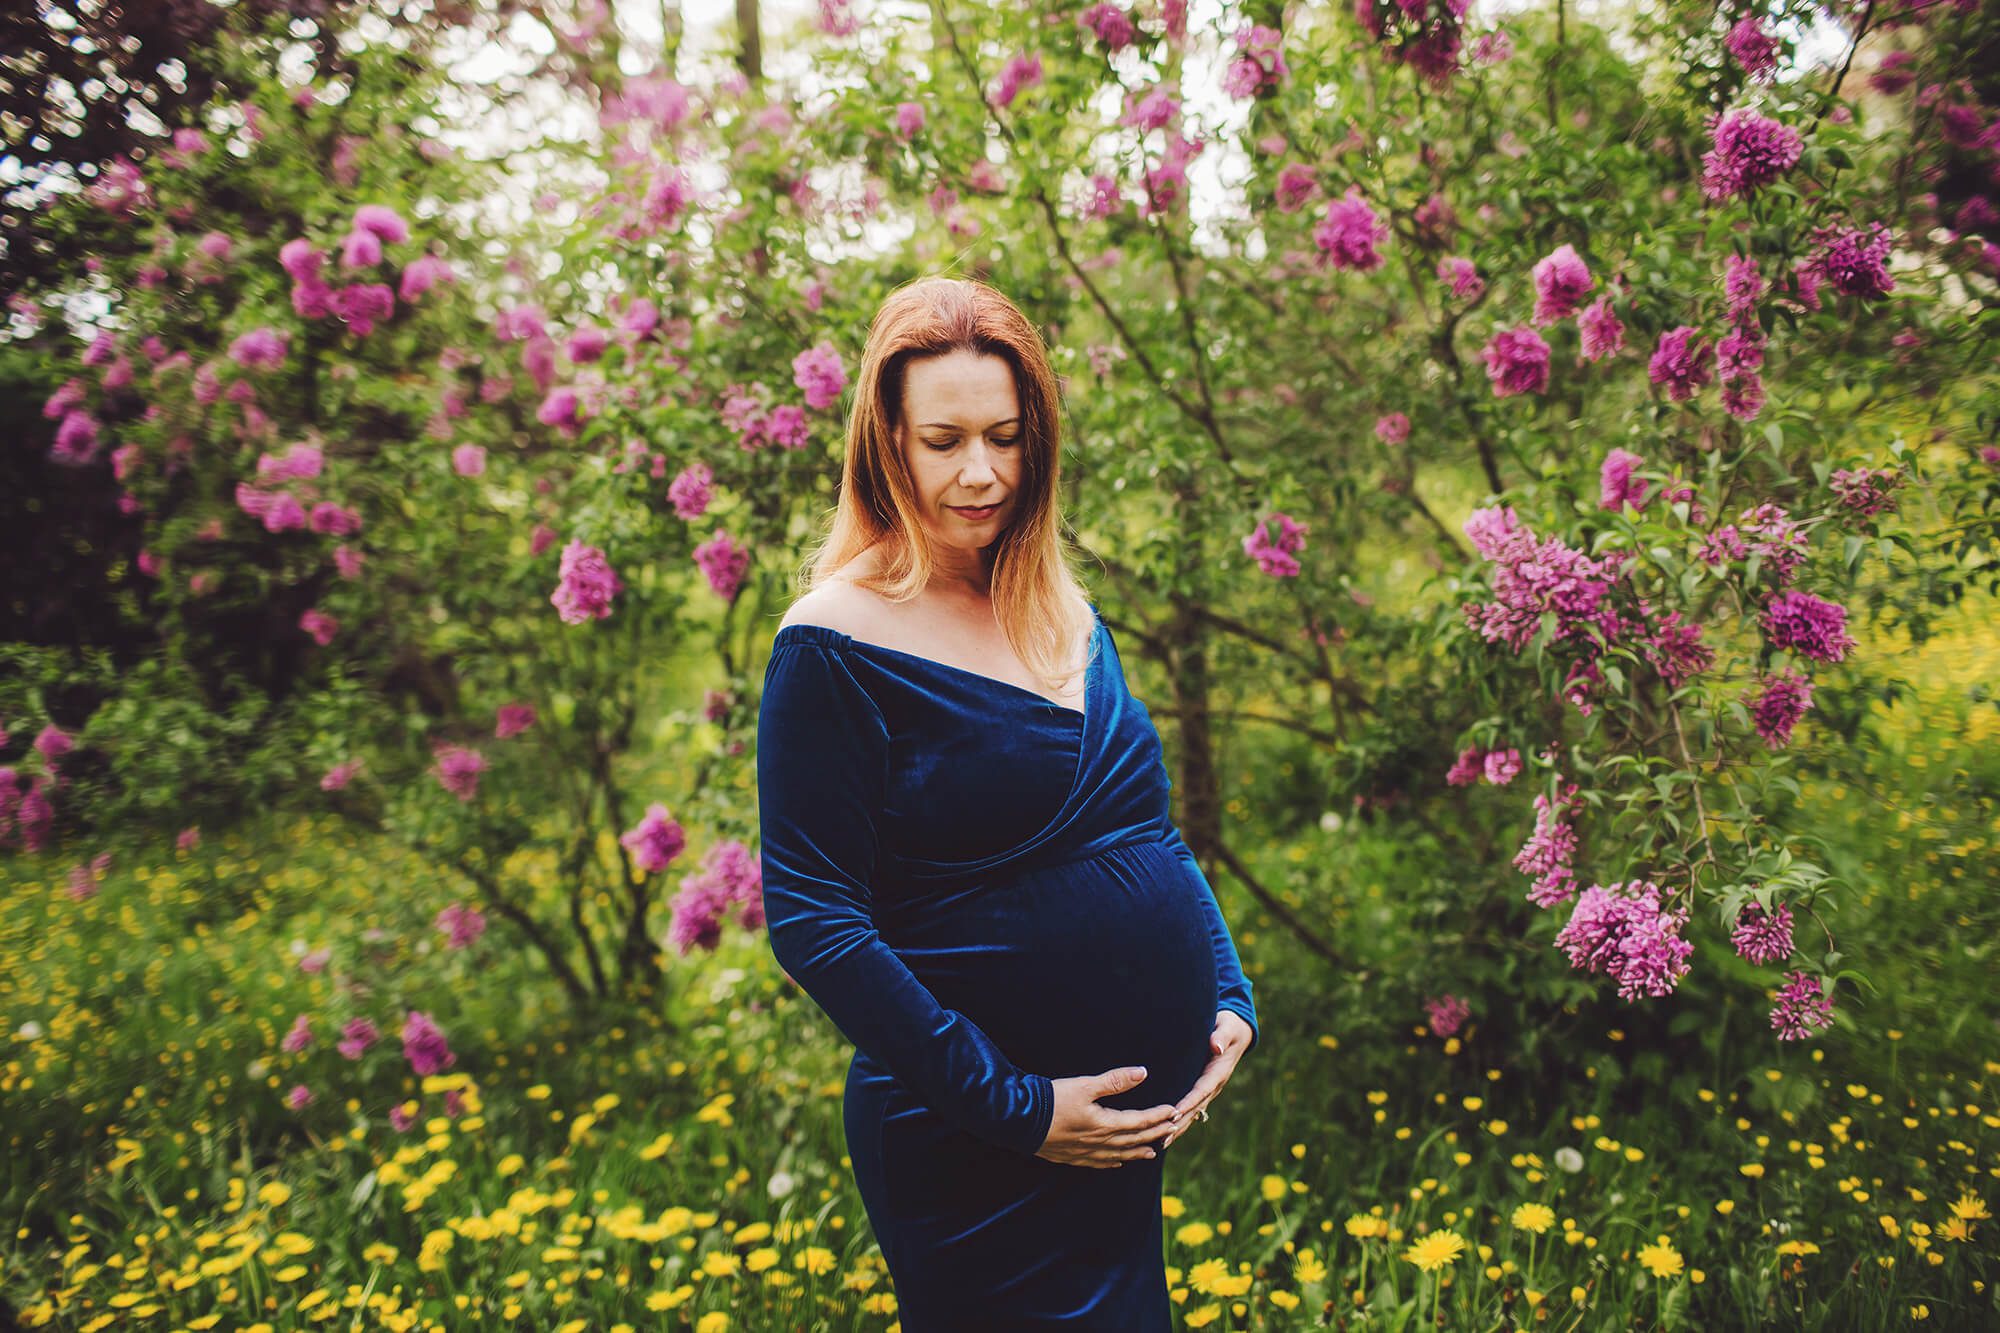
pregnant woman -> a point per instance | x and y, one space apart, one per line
969 862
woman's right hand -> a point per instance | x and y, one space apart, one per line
1082 1133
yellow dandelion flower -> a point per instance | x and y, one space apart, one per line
718 1264
1205 1316
715 1321
1956 1229
1754 1170
1204 1275
1171 1206
1535 1217
1285 1300
815 1259
1435 1250
1971 1208
1307 1269
667 1300
1195 1233
1272 1188
1661 1259
761 1258
1798 1247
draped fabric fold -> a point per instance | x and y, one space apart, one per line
984 891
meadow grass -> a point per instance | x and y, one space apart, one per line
680 1162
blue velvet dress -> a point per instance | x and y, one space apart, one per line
984 891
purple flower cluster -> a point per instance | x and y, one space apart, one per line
1347 236
1498 767
1276 556
1754 48
692 490
655 840
1851 260
461 923
1623 932
1547 853
587 584
1763 937
1446 1014
1748 150
1517 361
1615 486
1807 624
1533 576
1598 330
818 372
1802 1008
1259 62
723 563
730 875
458 769
424 1044
1675 648
1778 705
1682 363
1867 491
1561 279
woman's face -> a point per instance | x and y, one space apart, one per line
962 437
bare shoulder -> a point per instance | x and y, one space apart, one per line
840 605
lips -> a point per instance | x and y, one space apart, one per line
969 512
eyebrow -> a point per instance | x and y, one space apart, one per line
952 425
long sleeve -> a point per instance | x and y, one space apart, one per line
821 767
1234 990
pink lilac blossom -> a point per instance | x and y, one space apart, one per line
360 249
1776 540
1276 555
1675 649
1166 184
1467 768
420 275
1517 361
259 349
541 539
1867 491
339 775
401 1119
299 1037
1853 260
461 923
1023 71
1492 48
723 563
1561 279
1742 284
469 460
1462 276
1150 109
1297 184
356 1036
1501 767
299 1097
364 305
1807 624
1111 24
1616 486
1778 705
333 519
1600 334
1682 363
818 373
1892 73
1547 853
1749 150
587 583
381 222
314 961
321 626
512 719
1446 1014
655 840
1392 428
1762 937
691 491
909 119
1802 1008
1348 234
1740 352
457 770
424 1044
1622 931
1259 64
561 409
1755 49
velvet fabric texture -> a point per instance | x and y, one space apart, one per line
984 891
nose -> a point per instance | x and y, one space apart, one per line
977 470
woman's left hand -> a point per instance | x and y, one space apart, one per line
1226 1045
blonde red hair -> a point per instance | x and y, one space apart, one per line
1040 603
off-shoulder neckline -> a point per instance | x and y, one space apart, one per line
827 635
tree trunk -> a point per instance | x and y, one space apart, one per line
750 54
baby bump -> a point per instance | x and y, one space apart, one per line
1078 968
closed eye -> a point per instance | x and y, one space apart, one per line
1001 441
